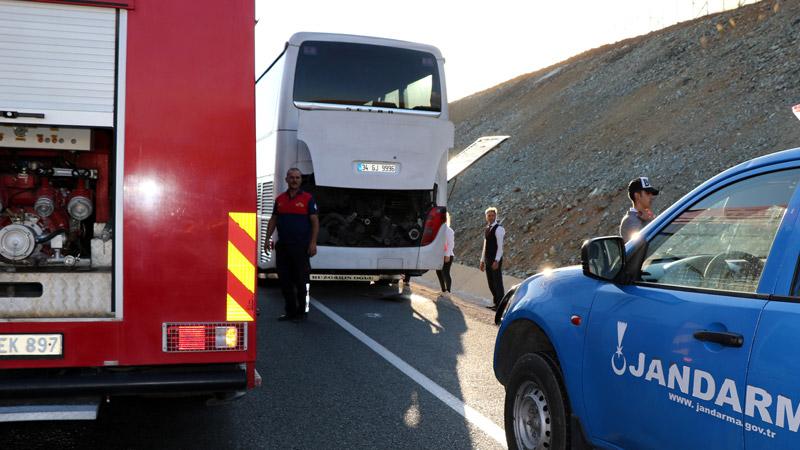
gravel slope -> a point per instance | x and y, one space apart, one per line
678 105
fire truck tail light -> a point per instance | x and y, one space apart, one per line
191 337
204 337
226 337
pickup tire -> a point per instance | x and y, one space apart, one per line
535 407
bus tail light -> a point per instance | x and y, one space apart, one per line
436 217
204 337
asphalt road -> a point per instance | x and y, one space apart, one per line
326 385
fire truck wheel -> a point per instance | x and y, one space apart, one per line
535 408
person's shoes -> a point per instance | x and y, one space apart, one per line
492 307
285 317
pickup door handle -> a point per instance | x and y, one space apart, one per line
720 337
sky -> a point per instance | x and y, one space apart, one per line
484 43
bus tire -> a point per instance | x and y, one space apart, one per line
535 411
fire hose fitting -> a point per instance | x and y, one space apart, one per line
17 242
79 206
45 202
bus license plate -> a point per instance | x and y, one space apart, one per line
30 345
377 167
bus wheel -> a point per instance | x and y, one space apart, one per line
535 409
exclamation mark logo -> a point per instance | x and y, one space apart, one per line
618 357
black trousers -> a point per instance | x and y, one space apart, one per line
294 271
444 276
495 279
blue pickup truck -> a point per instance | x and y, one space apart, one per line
686 337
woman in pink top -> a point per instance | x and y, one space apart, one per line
444 274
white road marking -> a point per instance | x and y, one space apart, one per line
479 420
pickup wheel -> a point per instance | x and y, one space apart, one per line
535 410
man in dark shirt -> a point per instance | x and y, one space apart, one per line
641 193
295 217
492 256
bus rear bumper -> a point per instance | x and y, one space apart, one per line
373 260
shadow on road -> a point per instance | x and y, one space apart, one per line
426 335
322 388
132 423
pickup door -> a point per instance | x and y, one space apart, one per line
666 358
775 360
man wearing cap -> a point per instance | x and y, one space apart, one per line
641 193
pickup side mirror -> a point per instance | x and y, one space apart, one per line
603 258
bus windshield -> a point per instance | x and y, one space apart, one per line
367 75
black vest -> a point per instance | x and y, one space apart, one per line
491 243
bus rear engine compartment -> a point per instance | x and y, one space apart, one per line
371 217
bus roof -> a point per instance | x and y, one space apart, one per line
299 38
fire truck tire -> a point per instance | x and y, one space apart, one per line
535 410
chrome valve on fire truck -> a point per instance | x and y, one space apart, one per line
41 217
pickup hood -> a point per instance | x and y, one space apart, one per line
415 143
562 286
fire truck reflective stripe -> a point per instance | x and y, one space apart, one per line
242 241
240 293
236 312
241 268
247 221
241 277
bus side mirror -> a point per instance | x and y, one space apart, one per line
603 258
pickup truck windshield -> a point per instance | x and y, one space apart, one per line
722 241
367 75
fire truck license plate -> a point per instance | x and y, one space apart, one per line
379 167
30 345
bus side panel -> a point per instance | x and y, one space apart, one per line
189 161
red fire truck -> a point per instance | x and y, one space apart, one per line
127 213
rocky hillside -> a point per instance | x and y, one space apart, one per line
678 105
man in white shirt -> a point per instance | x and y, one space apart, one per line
492 256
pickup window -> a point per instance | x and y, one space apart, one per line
722 242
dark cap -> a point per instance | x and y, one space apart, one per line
641 184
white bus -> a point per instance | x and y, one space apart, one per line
365 120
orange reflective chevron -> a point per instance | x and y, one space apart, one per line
241 267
